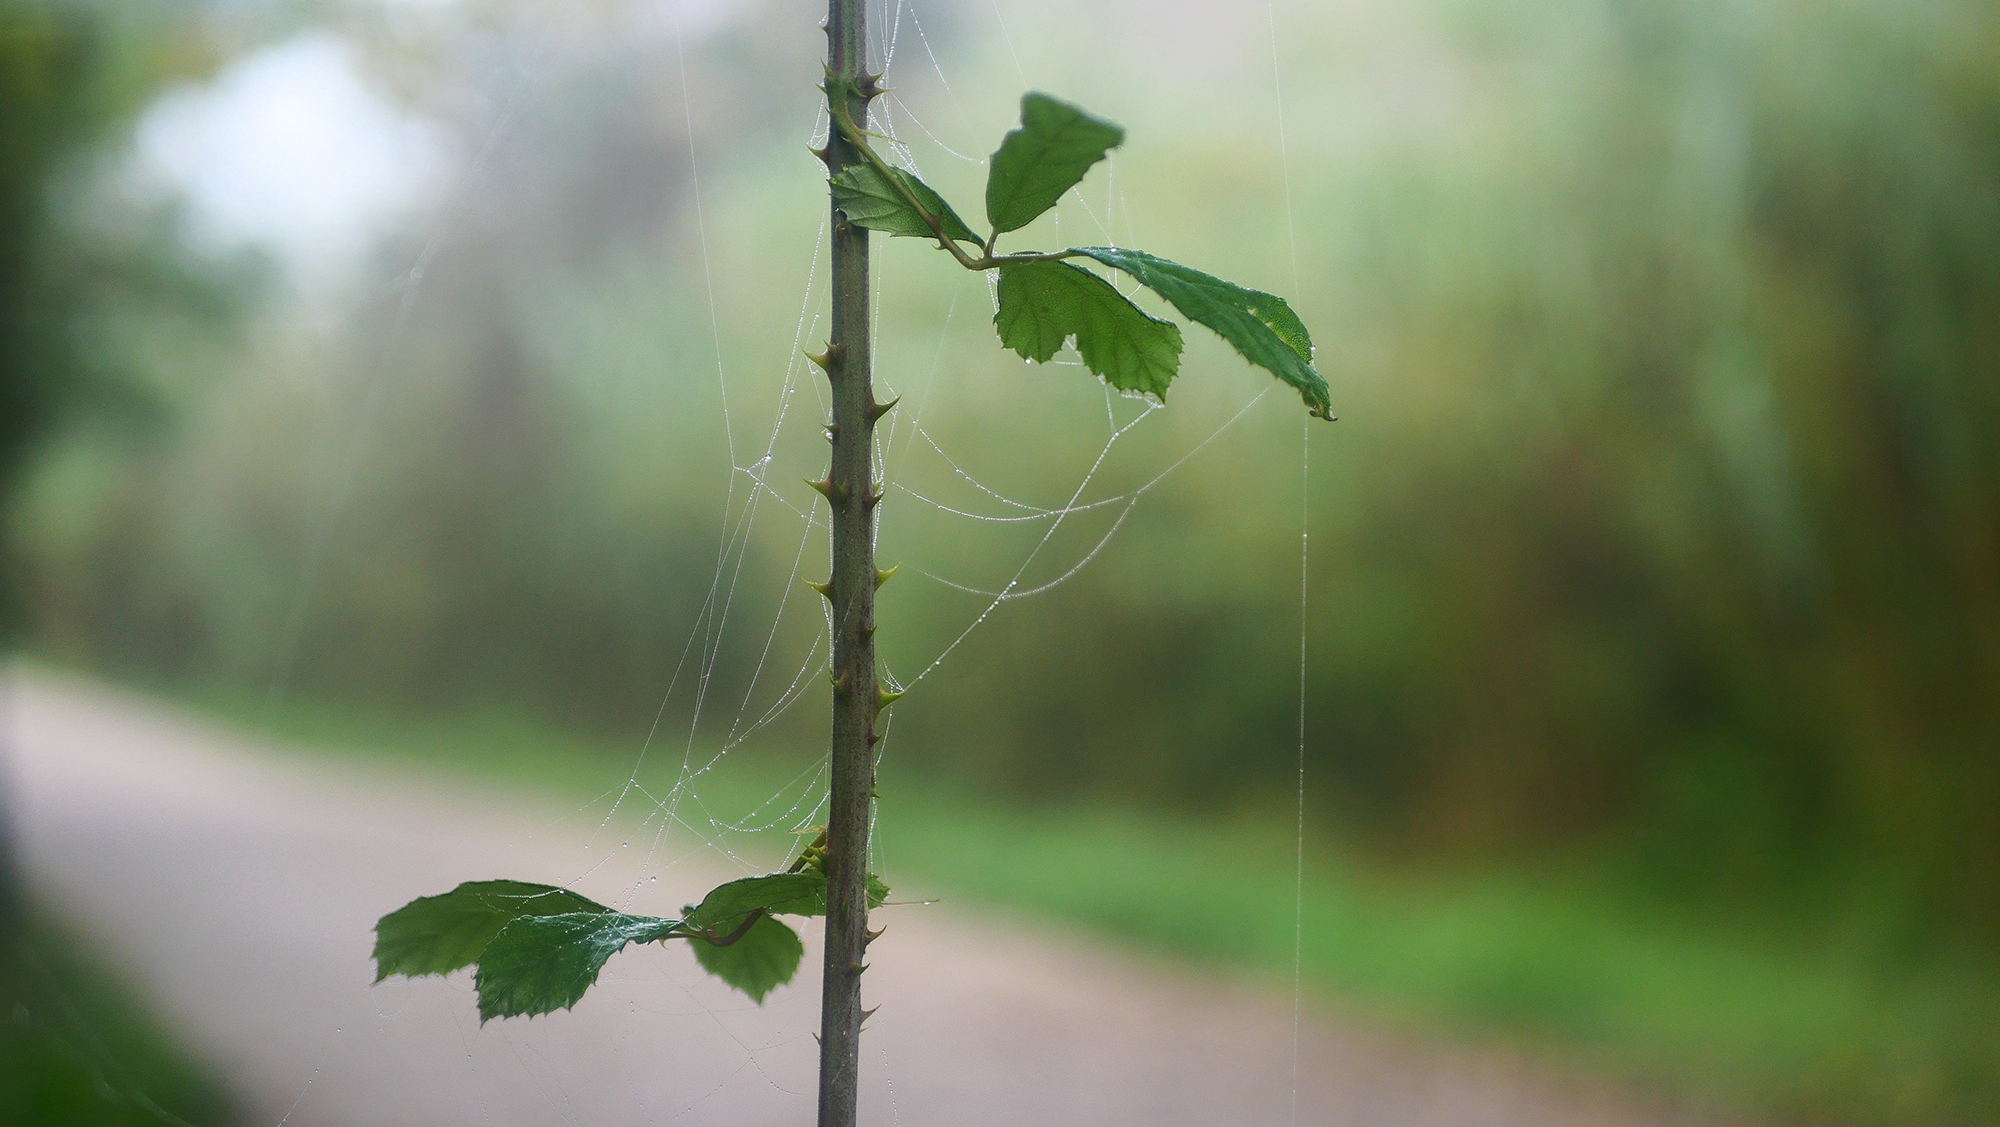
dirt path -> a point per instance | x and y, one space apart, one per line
240 888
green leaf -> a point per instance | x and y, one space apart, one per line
440 934
1261 327
869 197
539 964
539 947
792 894
1042 304
1056 144
785 894
765 958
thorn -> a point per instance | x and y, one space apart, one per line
865 1015
824 359
882 577
884 698
825 588
868 937
867 628
870 85
822 154
832 432
834 494
877 410
843 684
873 498
856 969
874 737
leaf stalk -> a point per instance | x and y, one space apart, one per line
857 139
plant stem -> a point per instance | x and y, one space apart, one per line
849 493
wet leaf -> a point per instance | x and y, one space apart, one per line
765 958
439 934
869 198
794 894
538 964
1043 304
1260 326
1055 145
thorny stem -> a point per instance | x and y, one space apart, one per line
851 589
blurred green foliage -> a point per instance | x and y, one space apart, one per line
1710 1012
1661 528
87 291
77 1049
87 294
1663 514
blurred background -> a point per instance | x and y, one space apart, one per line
422 376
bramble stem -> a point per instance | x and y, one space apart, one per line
849 476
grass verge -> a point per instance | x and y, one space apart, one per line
1712 1010
77 1049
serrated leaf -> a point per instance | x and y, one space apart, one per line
794 894
869 198
877 892
539 964
1035 164
763 959
782 902
439 934
1260 326
1042 304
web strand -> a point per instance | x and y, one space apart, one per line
1305 517
679 817
1131 499
1001 595
347 471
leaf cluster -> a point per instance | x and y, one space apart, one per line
1046 301
537 948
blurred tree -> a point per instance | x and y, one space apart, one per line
1663 520
509 533
1717 460
71 77
74 76
1668 520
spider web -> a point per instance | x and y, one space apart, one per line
638 831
